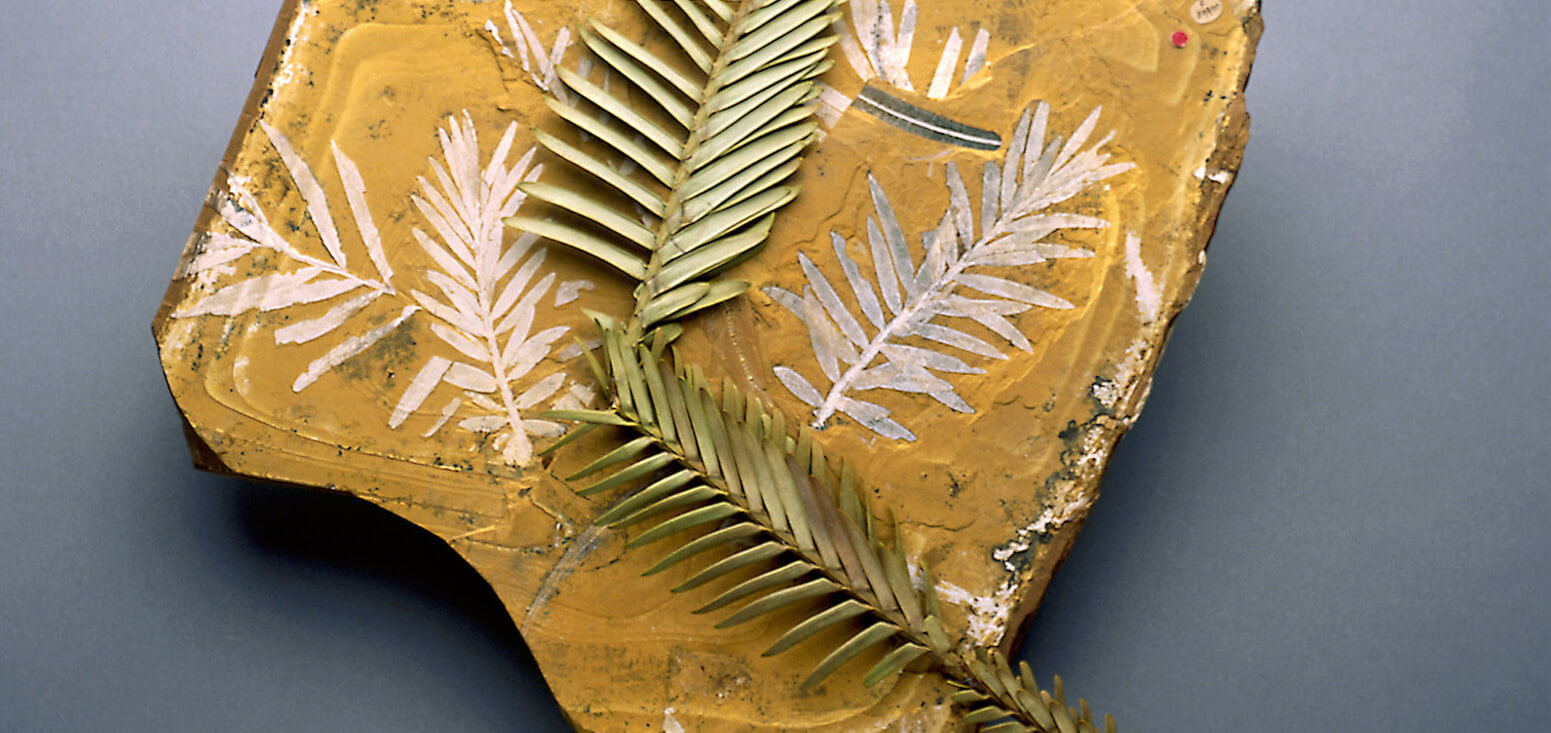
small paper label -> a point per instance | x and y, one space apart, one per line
1205 11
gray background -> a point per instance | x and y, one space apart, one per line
1331 516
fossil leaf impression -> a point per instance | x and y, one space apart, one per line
920 300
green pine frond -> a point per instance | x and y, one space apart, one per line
775 526
730 112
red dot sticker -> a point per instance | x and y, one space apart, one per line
1180 39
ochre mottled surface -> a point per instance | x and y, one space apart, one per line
992 499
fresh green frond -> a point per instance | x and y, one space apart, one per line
1026 676
931 604
775 48
798 521
809 496
718 138
936 636
630 378
967 697
747 471
873 568
764 14
711 435
671 143
593 365
657 388
898 575
772 116
1006 726
708 259
759 177
693 440
1034 706
986 676
763 514
761 483
986 715
769 84
732 108
1064 720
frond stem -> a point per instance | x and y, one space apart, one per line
292 252
673 215
518 446
907 314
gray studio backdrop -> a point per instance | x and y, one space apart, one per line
1332 515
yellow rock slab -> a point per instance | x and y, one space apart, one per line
312 334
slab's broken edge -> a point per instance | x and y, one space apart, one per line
1227 153
231 445
263 84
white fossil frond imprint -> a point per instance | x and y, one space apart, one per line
889 330
537 62
878 47
325 277
486 298
486 292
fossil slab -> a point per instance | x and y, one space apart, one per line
1009 204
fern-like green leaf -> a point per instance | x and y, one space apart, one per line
765 514
731 107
